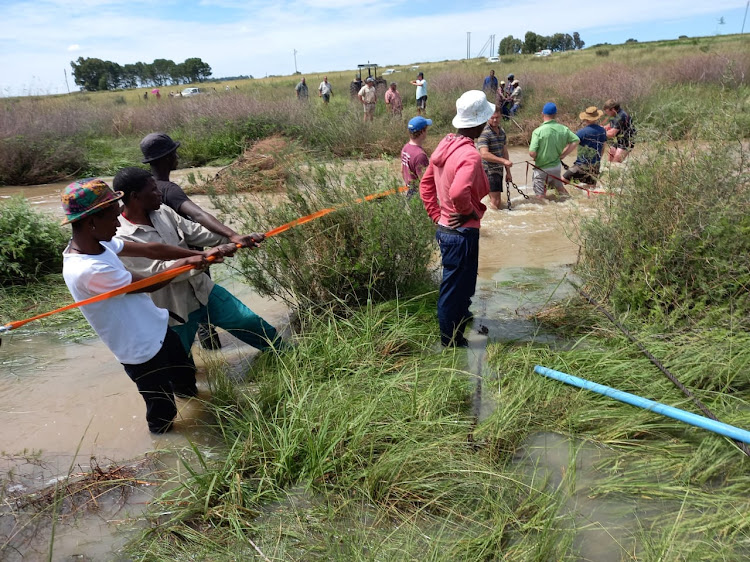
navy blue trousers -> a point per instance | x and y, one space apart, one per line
460 257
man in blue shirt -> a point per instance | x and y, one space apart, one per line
593 139
490 85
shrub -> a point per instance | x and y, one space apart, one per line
28 160
372 250
32 243
602 52
672 246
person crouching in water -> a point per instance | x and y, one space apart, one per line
452 189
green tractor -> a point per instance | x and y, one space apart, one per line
381 84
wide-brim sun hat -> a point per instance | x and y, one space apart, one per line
157 145
472 110
86 197
591 114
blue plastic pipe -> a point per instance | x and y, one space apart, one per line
693 419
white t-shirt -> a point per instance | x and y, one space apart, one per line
421 88
131 325
325 88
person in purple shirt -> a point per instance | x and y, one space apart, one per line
414 160
593 140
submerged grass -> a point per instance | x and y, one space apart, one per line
359 443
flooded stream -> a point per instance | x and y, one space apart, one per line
67 402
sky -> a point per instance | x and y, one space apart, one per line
39 38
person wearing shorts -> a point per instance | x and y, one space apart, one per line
494 152
550 143
620 128
421 85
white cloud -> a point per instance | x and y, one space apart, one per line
74 47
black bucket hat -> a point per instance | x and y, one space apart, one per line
157 145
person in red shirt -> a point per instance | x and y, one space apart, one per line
414 160
452 189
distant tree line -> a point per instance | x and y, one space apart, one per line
533 43
93 74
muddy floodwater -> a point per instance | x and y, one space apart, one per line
66 402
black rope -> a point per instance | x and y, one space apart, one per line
686 391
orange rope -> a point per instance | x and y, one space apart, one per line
172 273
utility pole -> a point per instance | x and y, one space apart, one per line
295 61
65 72
743 19
468 45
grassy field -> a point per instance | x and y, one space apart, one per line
668 87
362 441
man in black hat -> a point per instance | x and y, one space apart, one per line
160 151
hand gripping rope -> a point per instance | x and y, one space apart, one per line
172 273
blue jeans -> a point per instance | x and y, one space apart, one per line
460 257
227 311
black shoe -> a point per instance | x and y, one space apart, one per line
208 337
186 393
459 341
160 430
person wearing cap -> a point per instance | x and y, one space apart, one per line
414 159
300 89
550 143
489 86
160 152
325 90
393 100
369 98
133 328
516 97
452 189
509 83
421 85
593 138
192 299
620 128
494 152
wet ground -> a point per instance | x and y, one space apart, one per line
66 402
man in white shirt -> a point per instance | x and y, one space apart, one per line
325 90
421 85
131 325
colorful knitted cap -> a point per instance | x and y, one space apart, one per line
85 197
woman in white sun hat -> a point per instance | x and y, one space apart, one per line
452 189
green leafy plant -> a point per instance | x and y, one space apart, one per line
32 243
375 249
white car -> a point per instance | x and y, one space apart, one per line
543 53
389 71
493 59
187 92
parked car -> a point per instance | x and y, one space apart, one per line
543 53
493 59
389 71
187 92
